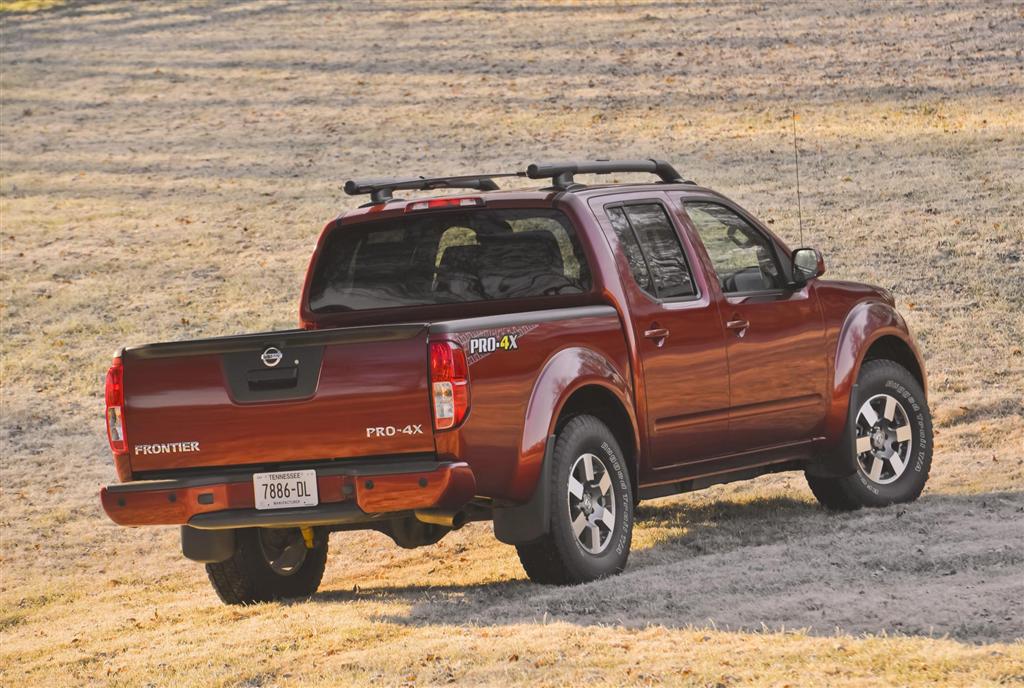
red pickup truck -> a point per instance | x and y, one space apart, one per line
543 359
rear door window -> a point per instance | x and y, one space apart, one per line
653 250
631 247
449 257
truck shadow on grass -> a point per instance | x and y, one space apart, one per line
946 565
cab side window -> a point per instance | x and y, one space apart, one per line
652 248
637 264
742 256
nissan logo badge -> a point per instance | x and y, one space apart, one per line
271 357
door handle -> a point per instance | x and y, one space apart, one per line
738 325
656 333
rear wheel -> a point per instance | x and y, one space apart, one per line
269 564
890 438
591 509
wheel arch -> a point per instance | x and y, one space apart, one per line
872 330
568 372
603 404
572 381
892 348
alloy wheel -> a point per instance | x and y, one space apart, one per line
884 439
591 503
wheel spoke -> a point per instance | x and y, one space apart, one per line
575 488
605 484
606 516
588 466
868 413
863 444
595 537
903 434
579 524
897 463
890 408
876 469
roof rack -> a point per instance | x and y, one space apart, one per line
561 173
382 190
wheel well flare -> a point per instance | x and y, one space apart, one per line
604 405
892 348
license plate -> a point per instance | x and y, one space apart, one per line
285 489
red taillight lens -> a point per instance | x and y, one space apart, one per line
449 377
115 408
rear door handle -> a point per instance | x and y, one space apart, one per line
656 333
739 325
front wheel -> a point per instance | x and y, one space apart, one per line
890 436
591 509
269 564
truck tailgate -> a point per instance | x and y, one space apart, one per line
278 397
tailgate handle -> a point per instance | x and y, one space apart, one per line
276 378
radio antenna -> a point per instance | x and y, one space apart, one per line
796 159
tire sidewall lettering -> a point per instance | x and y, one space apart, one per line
622 496
867 483
919 423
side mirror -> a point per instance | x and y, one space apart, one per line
807 264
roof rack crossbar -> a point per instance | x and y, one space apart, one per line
382 190
561 173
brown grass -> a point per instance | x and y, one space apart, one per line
166 167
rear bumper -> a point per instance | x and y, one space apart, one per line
348 493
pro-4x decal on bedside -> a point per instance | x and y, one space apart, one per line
480 344
486 345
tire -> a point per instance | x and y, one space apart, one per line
267 565
906 437
563 557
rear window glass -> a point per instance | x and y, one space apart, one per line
449 257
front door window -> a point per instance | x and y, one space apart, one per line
743 257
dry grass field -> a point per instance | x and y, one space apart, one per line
167 166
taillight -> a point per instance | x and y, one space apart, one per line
115 408
444 203
449 377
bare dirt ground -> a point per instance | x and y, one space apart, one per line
167 166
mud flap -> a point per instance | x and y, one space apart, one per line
207 546
519 525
